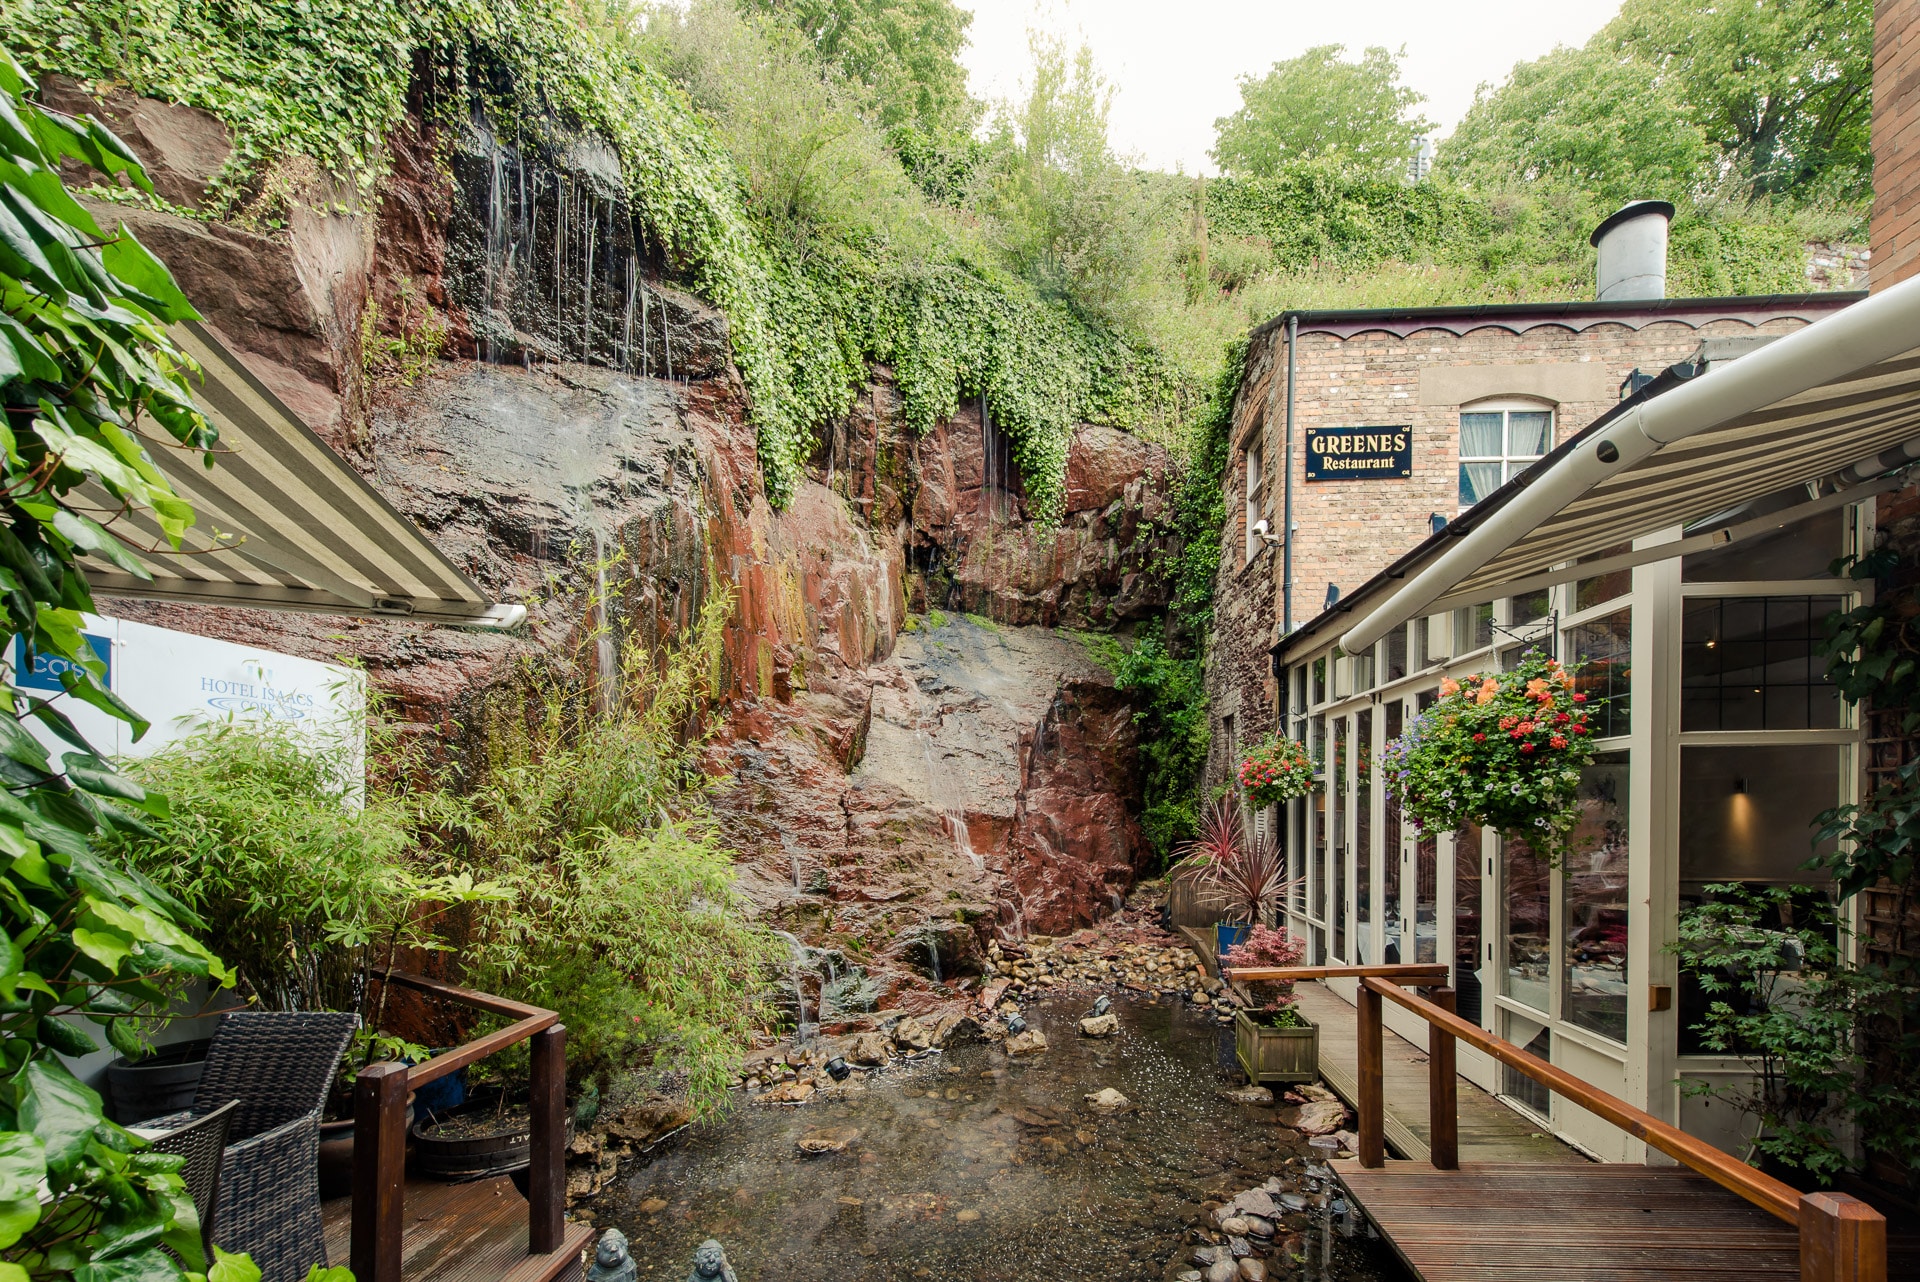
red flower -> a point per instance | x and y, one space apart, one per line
1526 747
1479 738
1558 741
1579 698
1581 730
1562 719
1526 727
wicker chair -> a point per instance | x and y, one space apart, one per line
277 1066
202 1142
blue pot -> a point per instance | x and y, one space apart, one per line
1226 935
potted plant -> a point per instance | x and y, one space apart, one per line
1278 770
1249 877
1273 1041
1502 751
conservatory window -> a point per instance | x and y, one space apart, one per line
1752 663
1594 903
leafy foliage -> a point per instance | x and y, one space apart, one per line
1320 106
1249 874
1678 98
1267 946
89 381
904 55
620 908
264 845
1502 751
768 190
1787 1002
1170 699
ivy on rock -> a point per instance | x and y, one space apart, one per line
305 83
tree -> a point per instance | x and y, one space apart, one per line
1598 123
1769 98
1317 105
1072 219
905 54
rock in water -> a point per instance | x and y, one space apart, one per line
1222 1271
1249 1095
788 1093
1100 1026
831 1139
1108 1100
710 1264
1252 1270
1317 1117
869 1049
911 1034
1030 1042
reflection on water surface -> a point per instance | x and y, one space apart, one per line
971 1165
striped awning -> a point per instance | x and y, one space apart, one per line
1791 442
284 523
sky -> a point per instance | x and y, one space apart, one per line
1175 63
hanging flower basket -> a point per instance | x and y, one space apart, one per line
1276 771
1503 751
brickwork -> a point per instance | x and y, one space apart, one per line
1895 228
1350 530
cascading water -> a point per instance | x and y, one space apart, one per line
802 1031
952 816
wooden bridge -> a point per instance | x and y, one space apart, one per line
1714 1218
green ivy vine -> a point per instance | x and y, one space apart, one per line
325 82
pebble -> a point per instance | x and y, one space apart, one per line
1252 1270
967 1216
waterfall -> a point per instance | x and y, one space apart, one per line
953 816
931 938
606 653
801 1032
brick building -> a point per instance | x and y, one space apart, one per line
1509 380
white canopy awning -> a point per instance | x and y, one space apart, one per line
1836 402
284 523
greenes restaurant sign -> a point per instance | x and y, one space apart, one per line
1359 453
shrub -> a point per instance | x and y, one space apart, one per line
1267 946
623 914
265 842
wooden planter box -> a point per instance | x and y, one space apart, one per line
1276 1054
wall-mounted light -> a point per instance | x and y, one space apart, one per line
1711 643
1333 596
1740 786
1436 522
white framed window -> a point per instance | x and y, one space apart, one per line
1256 475
1498 439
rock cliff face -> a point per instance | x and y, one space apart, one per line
920 755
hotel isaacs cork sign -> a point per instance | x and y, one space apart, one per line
1359 453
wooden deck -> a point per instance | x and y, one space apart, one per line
474 1232
1489 1130
1529 1222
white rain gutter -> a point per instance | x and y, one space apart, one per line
1874 329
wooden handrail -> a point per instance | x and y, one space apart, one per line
1722 1168
1419 974
380 1136
1841 1238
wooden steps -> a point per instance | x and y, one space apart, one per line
1531 1221
472 1232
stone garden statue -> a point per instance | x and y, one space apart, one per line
612 1260
710 1264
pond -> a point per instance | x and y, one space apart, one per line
969 1164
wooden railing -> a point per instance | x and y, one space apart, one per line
1842 1239
380 1129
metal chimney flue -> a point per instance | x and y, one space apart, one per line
1633 251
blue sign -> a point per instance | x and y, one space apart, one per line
43 673
1359 453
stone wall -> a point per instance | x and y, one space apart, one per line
1895 229
1348 531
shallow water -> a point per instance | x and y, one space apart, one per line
971 1165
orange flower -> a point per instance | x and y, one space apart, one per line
1449 687
1488 693
1537 687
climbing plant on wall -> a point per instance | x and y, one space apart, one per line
304 83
